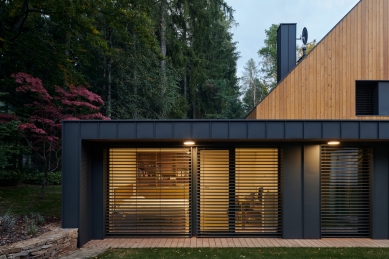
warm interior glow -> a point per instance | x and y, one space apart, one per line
189 143
334 142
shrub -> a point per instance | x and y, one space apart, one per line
53 178
37 217
30 226
7 220
10 178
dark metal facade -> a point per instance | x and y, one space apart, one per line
85 182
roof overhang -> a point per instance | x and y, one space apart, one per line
227 130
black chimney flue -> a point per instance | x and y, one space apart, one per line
286 49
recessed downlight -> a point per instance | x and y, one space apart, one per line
333 142
189 143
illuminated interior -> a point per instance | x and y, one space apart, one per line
149 191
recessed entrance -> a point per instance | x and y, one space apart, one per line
233 192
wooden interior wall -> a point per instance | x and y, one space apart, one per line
322 86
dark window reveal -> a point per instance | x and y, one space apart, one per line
371 98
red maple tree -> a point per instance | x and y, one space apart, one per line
42 128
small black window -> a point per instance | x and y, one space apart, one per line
364 93
371 98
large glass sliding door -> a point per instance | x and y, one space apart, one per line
149 191
236 191
257 190
239 192
345 206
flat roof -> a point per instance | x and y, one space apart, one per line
231 130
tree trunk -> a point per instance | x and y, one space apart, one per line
109 88
1 43
185 85
109 75
255 92
44 181
194 103
163 44
135 113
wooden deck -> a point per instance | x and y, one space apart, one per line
234 242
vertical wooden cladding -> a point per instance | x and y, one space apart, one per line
322 86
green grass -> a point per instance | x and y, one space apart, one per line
24 199
244 253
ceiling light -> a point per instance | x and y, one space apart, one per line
333 142
189 143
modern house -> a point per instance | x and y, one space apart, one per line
310 161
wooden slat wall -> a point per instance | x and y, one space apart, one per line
322 86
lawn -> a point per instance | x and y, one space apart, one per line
24 199
244 253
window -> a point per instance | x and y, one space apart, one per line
371 98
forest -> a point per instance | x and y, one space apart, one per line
117 59
146 59
109 59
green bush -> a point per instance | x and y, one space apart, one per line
7 219
10 178
37 217
30 226
53 178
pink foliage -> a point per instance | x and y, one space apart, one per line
29 83
88 95
93 116
44 126
5 117
32 128
79 104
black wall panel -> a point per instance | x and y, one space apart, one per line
384 130
145 130
89 130
182 130
312 191
292 193
85 202
256 130
350 130
126 130
294 130
238 130
313 130
97 189
369 130
108 131
70 175
379 193
275 130
163 130
331 130
201 130
219 130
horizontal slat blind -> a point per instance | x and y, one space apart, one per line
238 192
149 192
364 97
257 191
345 191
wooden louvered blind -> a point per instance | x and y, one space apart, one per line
238 192
345 191
149 191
